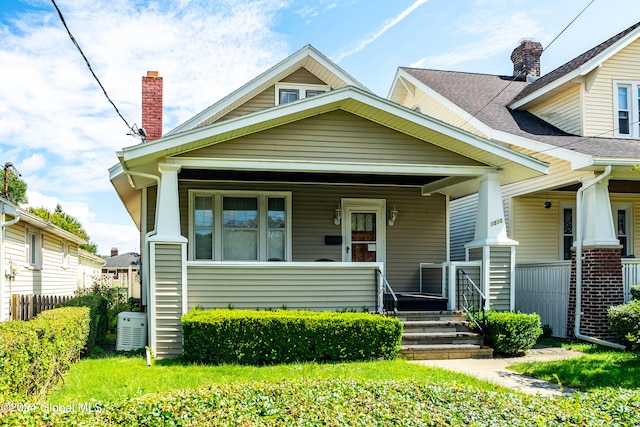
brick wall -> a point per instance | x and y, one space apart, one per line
601 288
152 105
526 59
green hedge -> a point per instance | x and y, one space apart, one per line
271 337
35 355
99 318
624 322
635 292
511 333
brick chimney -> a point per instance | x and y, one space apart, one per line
526 60
114 251
152 105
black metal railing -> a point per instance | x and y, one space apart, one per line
389 298
470 298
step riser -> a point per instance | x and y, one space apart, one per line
440 335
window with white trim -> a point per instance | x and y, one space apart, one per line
34 248
239 226
568 231
627 109
64 251
291 92
623 223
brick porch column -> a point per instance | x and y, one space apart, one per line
601 288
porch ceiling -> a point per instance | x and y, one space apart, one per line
306 177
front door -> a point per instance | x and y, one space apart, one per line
364 230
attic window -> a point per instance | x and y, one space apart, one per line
291 92
627 109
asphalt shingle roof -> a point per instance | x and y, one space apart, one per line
126 260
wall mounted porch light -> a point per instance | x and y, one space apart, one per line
393 215
338 215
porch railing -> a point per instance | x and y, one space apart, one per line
389 298
472 299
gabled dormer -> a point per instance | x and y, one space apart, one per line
304 74
595 94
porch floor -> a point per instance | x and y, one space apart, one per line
421 302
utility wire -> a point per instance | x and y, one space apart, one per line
134 130
519 73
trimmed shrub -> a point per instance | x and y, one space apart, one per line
99 318
35 355
635 292
510 333
624 322
272 337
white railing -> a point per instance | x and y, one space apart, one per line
630 275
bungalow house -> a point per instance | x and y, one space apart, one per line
37 257
576 227
304 189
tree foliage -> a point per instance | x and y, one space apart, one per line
61 219
17 189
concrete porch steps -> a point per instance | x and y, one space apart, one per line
430 335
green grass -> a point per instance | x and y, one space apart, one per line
600 368
117 377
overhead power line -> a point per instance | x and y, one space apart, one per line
133 130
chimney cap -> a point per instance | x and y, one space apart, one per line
153 74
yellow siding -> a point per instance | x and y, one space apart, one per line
168 300
303 76
312 286
599 101
430 106
500 278
563 111
335 136
262 101
419 234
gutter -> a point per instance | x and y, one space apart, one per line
576 330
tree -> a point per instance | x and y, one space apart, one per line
68 223
17 189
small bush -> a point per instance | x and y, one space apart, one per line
635 292
272 337
510 333
624 322
35 355
99 318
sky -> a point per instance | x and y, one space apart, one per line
61 133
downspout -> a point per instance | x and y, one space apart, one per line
576 329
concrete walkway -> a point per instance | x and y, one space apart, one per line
494 370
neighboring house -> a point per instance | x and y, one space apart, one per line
38 258
583 120
124 271
90 267
242 203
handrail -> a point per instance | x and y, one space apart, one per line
387 287
466 306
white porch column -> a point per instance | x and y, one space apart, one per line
492 247
168 212
598 227
491 227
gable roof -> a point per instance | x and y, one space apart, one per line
484 99
122 261
307 57
578 67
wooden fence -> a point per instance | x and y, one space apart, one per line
25 307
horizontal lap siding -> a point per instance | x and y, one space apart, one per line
419 234
500 278
168 300
334 136
599 101
272 287
563 111
463 224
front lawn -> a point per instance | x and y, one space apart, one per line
600 367
114 378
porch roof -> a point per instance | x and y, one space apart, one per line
454 180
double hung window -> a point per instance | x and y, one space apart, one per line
627 109
231 226
34 248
